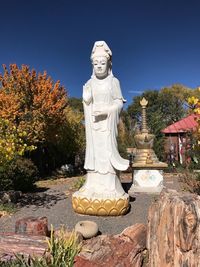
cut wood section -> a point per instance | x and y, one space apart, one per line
174 230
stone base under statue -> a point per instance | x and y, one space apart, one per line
147 181
101 195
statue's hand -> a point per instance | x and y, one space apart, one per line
107 110
99 116
99 113
87 94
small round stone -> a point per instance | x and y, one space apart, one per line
88 229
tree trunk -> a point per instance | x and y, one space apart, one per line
174 230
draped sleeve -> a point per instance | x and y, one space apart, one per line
116 160
87 105
116 89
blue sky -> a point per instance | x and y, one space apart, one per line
155 43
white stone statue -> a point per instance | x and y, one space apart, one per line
102 101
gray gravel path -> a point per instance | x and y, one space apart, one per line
56 206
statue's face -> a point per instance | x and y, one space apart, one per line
100 65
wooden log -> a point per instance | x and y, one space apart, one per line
123 250
173 237
12 244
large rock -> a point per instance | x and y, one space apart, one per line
174 230
125 249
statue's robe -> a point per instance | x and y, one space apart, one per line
102 154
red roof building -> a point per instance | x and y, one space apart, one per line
186 124
177 141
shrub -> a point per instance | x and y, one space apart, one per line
79 183
12 142
191 182
63 249
20 174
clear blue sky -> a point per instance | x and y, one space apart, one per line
154 43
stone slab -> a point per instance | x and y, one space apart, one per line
148 190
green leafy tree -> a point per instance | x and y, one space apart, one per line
125 133
76 104
74 134
164 107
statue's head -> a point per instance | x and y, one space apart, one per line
101 59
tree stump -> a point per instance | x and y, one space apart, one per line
32 226
174 230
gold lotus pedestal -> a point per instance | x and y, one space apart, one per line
101 195
100 207
147 169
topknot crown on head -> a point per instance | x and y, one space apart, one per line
100 48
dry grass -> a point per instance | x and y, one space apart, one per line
57 180
191 182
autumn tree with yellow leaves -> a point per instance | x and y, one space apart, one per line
37 106
194 102
34 103
194 107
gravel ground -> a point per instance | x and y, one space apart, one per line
55 204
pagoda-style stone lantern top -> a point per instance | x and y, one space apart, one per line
145 155
144 103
